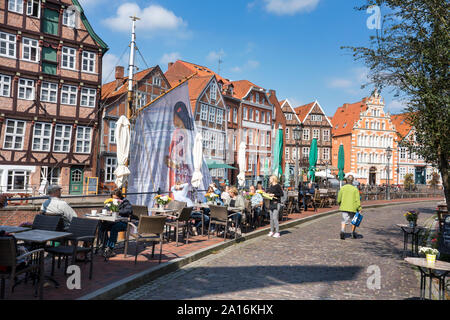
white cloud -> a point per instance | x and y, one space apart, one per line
353 82
290 7
214 56
396 106
110 61
249 65
155 20
170 57
340 83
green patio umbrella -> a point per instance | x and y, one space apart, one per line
278 154
313 160
341 163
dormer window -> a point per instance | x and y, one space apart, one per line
257 98
157 81
69 17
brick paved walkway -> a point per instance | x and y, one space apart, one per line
119 268
307 262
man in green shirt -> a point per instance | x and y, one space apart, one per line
349 203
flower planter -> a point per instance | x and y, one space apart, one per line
431 258
412 224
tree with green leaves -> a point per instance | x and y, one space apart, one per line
410 53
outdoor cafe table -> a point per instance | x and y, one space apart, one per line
414 232
12 229
429 271
105 218
41 237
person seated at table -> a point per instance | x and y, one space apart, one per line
259 186
55 206
236 201
180 191
309 195
226 194
125 211
216 191
257 203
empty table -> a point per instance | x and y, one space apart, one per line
13 229
414 232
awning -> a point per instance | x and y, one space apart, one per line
214 164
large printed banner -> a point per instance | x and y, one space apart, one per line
162 143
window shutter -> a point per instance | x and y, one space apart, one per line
50 22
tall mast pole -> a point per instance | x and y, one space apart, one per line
131 68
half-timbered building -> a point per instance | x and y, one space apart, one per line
50 82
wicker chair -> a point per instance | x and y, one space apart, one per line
181 221
49 223
219 216
82 230
12 267
148 229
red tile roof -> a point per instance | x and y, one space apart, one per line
401 124
109 89
346 116
303 111
242 87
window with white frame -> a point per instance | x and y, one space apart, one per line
305 152
268 141
212 114
30 50
69 58
88 62
326 154
213 145
69 18
18 180
326 135
204 112
256 115
26 89
257 98
88 97
402 173
63 134
250 114
14 134
110 167
287 153
83 143
34 8
69 95
244 113
230 116
49 92
42 135
219 118
268 118
294 153
15 6
235 115
5 85
306 135
289 116
221 142
403 153
7 45
316 134
156 81
213 94
263 139
316 118
112 132
287 134
263 117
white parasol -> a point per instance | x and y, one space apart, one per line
197 177
122 136
325 174
242 163
355 175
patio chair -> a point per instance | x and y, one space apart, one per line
49 223
82 230
177 205
181 221
219 216
13 266
150 228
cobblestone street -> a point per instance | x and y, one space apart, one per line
308 262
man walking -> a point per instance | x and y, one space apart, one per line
350 203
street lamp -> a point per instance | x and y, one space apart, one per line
388 156
298 132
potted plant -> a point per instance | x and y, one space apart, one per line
430 253
412 216
248 195
112 205
162 200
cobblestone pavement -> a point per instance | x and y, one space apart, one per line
308 262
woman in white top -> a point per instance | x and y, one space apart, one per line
180 191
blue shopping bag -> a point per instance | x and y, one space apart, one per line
357 219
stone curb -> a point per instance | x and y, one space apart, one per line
123 286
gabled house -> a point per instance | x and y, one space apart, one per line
317 125
291 151
409 162
149 84
50 80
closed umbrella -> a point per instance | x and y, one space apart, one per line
313 160
278 154
122 136
242 163
341 162
287 175
197 177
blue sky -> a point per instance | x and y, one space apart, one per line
291 46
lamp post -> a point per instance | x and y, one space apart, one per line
298 131
388 156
